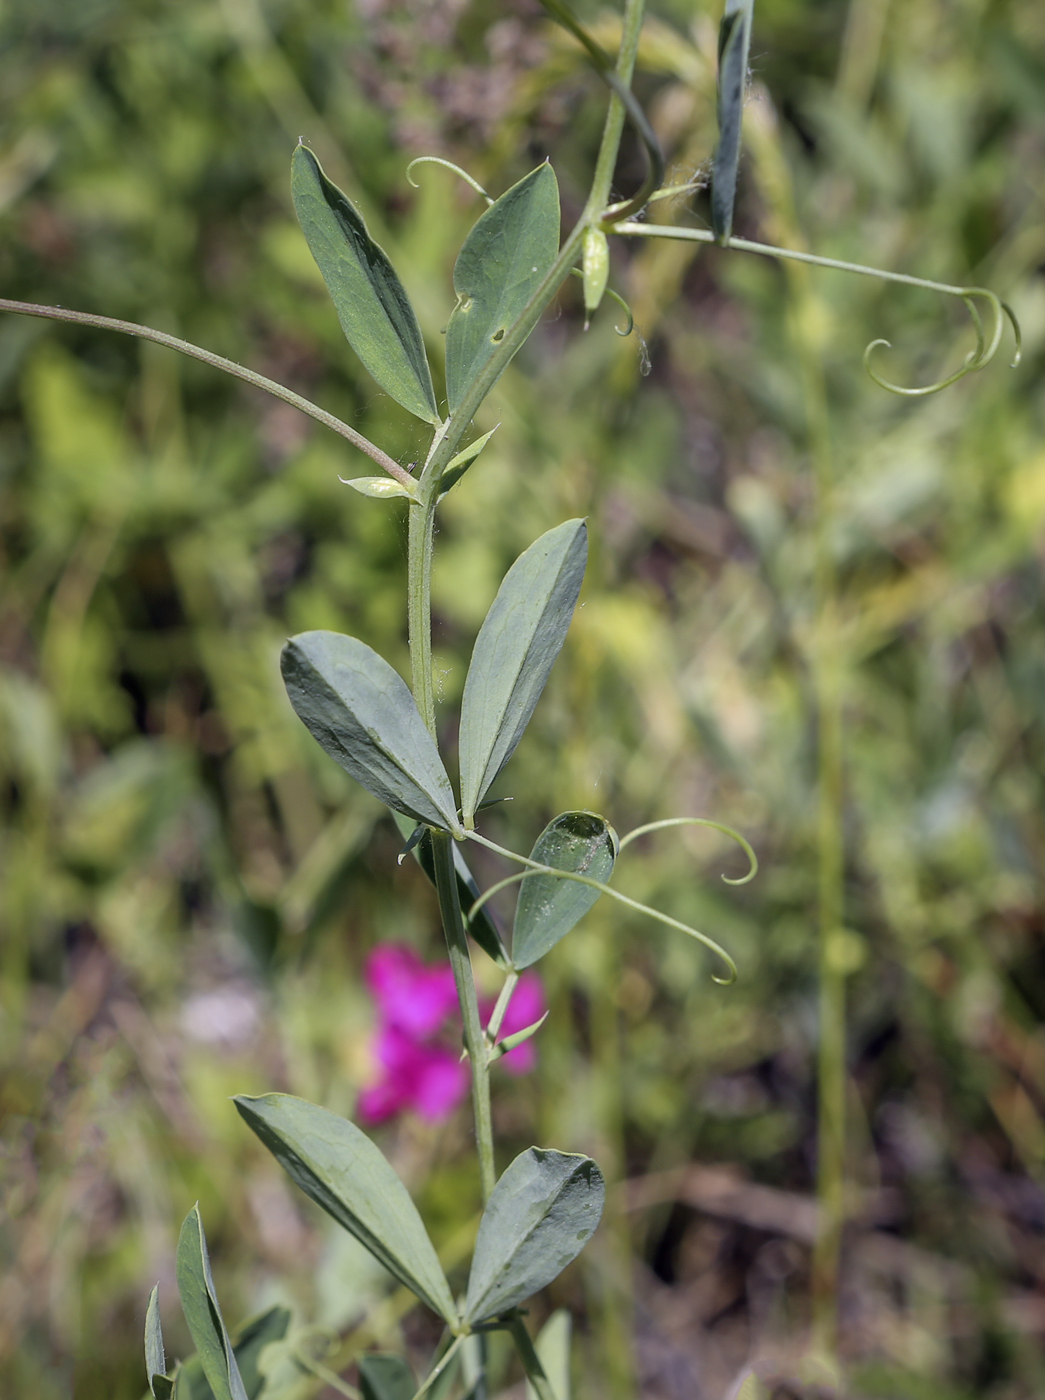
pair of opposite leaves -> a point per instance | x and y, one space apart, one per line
542 1212
363 715
504 260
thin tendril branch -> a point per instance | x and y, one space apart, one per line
449 165
744 845
534 868
196 352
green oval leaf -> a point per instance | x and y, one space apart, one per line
385 1376
361 712
582 843
541 1214
504 260
199 1302
516 647
734 38
341 1170
374 310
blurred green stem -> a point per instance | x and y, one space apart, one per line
530 1360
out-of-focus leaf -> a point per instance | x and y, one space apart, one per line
199 1302
516 647
553 1348
734 39
384 1376
251 1339
341 1170
581 842
541 1214
160 1383
502 263
362 713
482 928
247 1345
374 310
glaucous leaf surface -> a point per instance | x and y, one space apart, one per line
541 1214
517 644
199 1302
734 39
502 263
482 928
384 1376
155 1361
361 712
371 304
581 842
339 1167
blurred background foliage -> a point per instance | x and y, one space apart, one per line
189 887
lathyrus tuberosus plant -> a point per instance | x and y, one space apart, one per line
544 1207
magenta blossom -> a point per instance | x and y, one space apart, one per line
417 1042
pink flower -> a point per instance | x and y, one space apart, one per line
415 998
430 1079
417 1042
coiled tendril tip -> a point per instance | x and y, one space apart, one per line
976 359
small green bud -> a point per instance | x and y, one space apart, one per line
595 264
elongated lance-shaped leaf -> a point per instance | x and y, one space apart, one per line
541 1214
362 713
734 39
199 1302
343 1171
581 842
374 310
160 1383
502 263
482 928
514 652
385 1376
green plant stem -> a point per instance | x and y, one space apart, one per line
530 1360
474 1039
446 446
421 525
196 352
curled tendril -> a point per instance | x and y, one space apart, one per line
449 165
975 359
616 296
744 845
534 868
627 311
603 65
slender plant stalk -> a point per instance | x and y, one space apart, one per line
825 669
530 1360
421 524
475 1041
